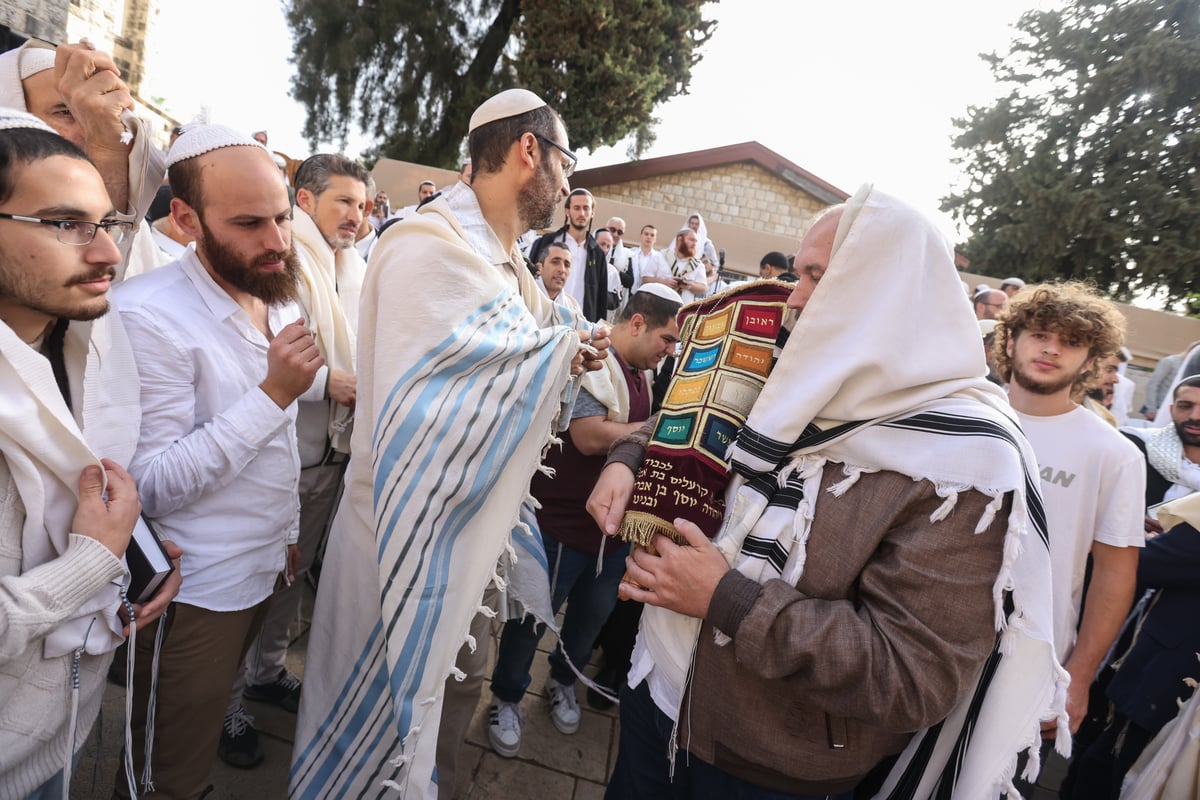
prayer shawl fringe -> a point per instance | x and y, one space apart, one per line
458 397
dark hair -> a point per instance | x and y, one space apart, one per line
578 193
315 172
1073 310
20 147
657 311
774 259
1190 382
488 144
651 227
559 245
184 179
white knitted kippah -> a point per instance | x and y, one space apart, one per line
196 140
661 290
508 103
685 229
11 118
35 60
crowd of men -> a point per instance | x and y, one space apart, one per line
916 590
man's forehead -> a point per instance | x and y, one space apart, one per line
60 182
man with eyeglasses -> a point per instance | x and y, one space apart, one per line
78 91
461 395
620 257
69 417
588 283
989 303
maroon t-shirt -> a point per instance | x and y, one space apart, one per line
563 514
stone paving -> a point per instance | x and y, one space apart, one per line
550 766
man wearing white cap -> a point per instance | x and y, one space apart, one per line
77 90
1011 286
69 412
612 403
452 416
223 355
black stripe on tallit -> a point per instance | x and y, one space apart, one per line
906 788
769 549
953 425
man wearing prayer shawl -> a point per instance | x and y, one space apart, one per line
77 90
69 414
457 399
873 615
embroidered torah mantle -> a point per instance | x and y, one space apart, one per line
728 348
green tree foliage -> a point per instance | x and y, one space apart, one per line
1087 167
409 73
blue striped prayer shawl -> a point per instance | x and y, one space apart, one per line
452 418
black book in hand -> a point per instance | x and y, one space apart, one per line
148 562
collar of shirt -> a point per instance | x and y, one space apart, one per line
223 307
479 234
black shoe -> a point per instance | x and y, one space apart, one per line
284 692
239 745
611 683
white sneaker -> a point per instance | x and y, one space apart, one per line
504 728
564 706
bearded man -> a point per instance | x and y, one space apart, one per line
223 355
457 399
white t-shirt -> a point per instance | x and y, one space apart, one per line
652 265
1094 488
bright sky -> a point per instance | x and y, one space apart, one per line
852 92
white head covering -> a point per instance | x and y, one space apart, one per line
702 240
508 103
15 65
196 140
661 290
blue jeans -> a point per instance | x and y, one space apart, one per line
642 771
592 598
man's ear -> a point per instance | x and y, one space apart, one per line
1010 343
637 324
185 217
306 201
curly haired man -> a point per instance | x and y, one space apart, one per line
1048 348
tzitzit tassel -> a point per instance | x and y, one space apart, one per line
152 701
638 527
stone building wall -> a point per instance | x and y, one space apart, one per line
40 19
740 194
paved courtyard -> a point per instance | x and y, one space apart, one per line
550 766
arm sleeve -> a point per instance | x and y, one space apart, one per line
1171 560
34 603
630 449
178 457
899 651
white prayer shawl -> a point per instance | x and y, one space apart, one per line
1164 452
47 447
457 398
330 284
875 395
609 388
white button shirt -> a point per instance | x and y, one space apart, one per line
216 461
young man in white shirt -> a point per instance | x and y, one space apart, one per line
223 354
68 427
1048 347
646 260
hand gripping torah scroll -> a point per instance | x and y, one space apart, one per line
728 346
